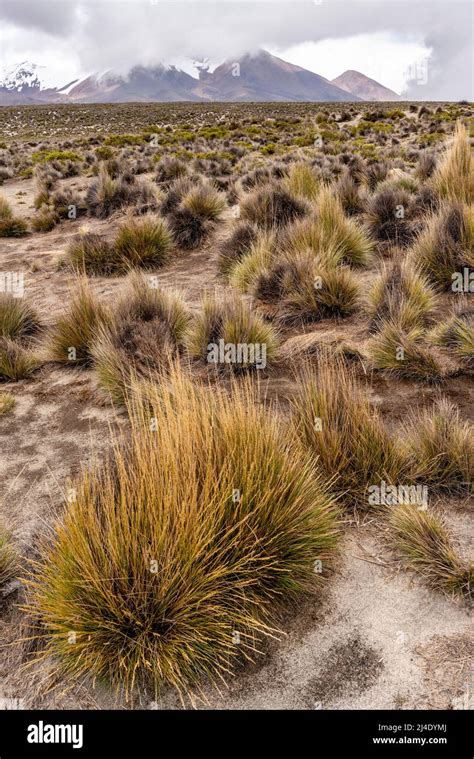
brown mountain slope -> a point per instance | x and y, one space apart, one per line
264 77
363 87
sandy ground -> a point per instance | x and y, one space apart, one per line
372 637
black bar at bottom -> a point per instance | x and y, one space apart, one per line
220 733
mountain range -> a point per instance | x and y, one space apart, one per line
256 77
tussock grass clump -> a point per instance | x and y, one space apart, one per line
45 179
7 403
271 206
403 353
426 165
176 192
91 253
237 246
192 211
309 235
147 330
341 232
329 293
189 231
454 177
388 215
16 361
107 194
375 173
400 293
302 181
70 340
306 291
5 209
336 421
441 448
169 168
349 194
246 271
457 333
422 539
145 242
446 245
18 318
202 524
225 327
329 234
205 202
8 559
10 225
45 219
65 199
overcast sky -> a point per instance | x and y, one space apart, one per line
423 49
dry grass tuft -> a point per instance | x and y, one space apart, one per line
389 214
423 541
91 253
205 202
8 559
336 421
340 232
306 291
457 333
7 403
302 182
146 331
446 245
246 271
146 243
329 234
402 294
107 194
70 340
10 225
18 318
403 353
454 177
16 361
238 245
441 448
233 323
271 207
180 550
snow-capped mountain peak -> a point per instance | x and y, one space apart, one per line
24 76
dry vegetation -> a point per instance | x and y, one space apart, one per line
274 305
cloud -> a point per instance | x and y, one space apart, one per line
383 56
49 16
121 34
448 73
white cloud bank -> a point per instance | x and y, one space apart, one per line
381 38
